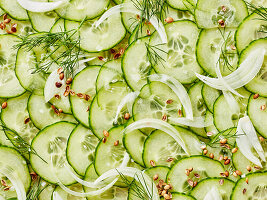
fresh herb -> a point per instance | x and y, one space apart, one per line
225 53
36 190
62 43
153 54
20 144
148 9
260 10
137 189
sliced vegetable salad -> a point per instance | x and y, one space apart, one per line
133 99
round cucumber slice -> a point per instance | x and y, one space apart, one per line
77 10
43 22
217 46
15 116
209 13
228 118
9 84
13 9
50 144
164 150
133 142
83 83
81 149
181 196
208 118
110 72
258 115
104 37
224 186
25 66
259 84
136 65
104 107
46 194
241 162
42 114
203 166
210 95
14 163
103 161
156 100
252 28
114 193
255 189
177 57
60 194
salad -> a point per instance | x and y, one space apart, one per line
133 99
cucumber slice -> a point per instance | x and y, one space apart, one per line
208 118
52 140
228 118
256 189
25 65
12 161
43 22
110 72
208 13
217 46
179 59
114 193
84 83
198 105
60 194
225 187
9 84
14 116
164 150
104 107
161 171
156 100
104 37
257 115
181 196
252 28
81 149
103 161
77 10
46 194
241 162
210 95
259 84
203 166
177 4
42 114
133 142
136 65
13 9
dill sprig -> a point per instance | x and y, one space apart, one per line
19 143
224 54
153 54
36 189
138 190
52 43
260 10
148 9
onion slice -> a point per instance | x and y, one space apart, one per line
197 122
246 71
138 175
128 99
35 6
16 182
158 124
213 194
178 89
247 139
126 7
